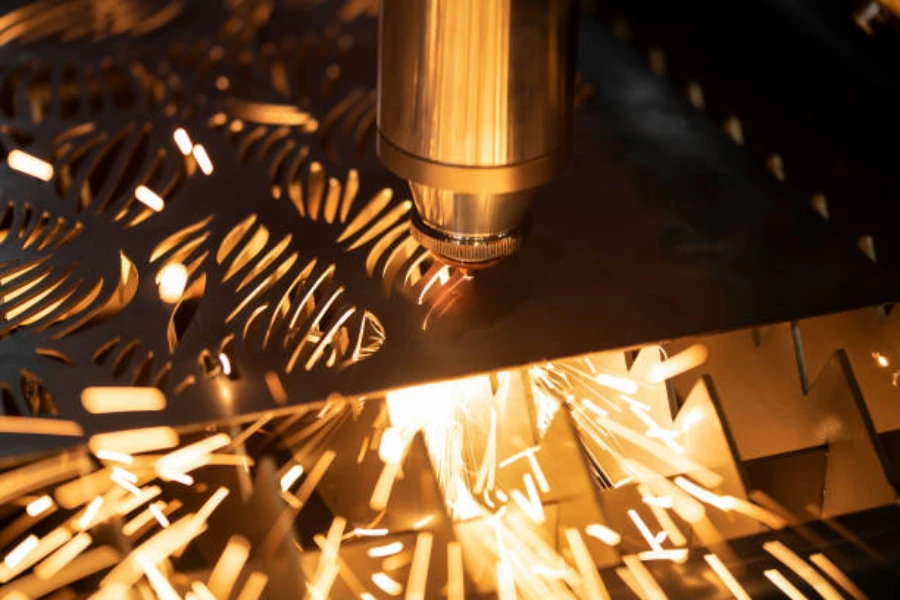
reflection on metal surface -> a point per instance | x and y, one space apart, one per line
475 103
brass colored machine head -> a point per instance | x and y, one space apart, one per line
474 110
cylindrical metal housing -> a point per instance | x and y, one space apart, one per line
475 110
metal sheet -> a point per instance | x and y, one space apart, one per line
660 228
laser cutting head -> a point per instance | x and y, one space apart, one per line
474 110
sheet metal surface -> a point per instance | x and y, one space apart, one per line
661 227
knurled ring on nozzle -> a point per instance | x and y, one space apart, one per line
466 252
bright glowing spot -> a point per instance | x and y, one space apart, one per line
291 477
704 495
18 554
423 522
620 384
736 589
385 550
112 399
685 360
604 534
782 583
202 159
134 441
173 475
226 364
183 141
39 506
390 450
158 515
114 456
386 584
90 512
881 360
645 531
660 501
172 281
124 474
369 532
679 555
30 165
149 198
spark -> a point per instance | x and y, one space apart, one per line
754 511
593 584
139 521
39 506
655 431
385 550
63 556
172 475
253 588
125 484
423 522
687 359
381 493
202 159
113 456
488 469
291 477
18 554
678 556
532 505
634 404
620 384
369 532
660 501
124 474
172 281
881 360
392 446
643 578
830 569
455 581
802 569
226 364
90 513
273 382
418 571
201 591
158 515
386 584
315 476
228 568
157 580
645 531
720 502
30 165
781 582
604 534
39 426
211 504
363 448
134 441
111 399
183 141
518 455
29 554
149 198
193 456
734 587
506 586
